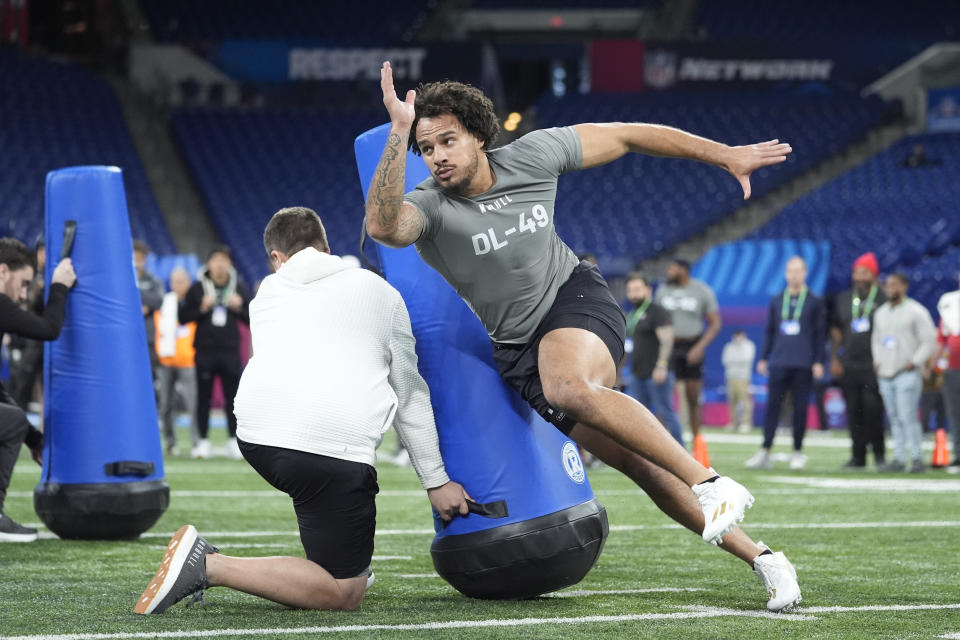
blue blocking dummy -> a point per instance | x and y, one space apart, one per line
102 461
536 526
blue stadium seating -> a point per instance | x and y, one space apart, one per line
372 22
57 115
249 164
640 206
909 217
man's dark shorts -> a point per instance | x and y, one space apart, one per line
334 502
678 360
583 302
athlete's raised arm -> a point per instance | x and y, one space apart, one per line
389 220
603 143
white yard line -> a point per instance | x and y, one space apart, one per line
214 535
701 612
576 593
885 485
878 607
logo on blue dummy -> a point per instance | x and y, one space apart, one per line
572 463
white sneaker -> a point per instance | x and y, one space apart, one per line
232 450
370 580
202 450
760 460
780 579
744 428
723 502
798 460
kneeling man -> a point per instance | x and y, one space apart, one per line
333 367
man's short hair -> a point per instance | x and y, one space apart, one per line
901 278
638 275
465 102
681 261
220 248
16 255
139 246
294 229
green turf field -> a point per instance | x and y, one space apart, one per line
878 557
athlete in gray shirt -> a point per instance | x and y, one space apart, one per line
484 220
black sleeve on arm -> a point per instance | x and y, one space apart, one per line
189 310
244 313
820 332
770 331
45 326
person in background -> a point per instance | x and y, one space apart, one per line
792 356
903 340
174 342
26 353
738 357
690 303
949 348
16 272
151 295
649 325
217 301
851 360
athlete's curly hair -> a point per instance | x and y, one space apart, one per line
467 103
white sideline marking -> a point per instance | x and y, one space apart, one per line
878 607
213 535
886 485
416 576
951 636
618 592
699 612
805 525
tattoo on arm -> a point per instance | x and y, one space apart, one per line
386 191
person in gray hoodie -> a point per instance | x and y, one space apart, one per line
903 339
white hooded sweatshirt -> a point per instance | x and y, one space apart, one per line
334 366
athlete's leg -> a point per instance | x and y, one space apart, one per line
576 370
295 582
667 491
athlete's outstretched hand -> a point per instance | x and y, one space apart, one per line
742 161
401 113
449 500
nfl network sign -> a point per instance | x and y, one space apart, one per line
664 68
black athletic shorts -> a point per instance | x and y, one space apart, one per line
678 361
583 302
334 502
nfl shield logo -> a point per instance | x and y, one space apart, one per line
660 69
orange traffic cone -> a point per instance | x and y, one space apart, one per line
940 456
700 451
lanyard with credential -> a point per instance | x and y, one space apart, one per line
635 316
867 306
785 310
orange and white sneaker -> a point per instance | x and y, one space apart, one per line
780 579
182 572
723 502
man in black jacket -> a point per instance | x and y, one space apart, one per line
16 272
216 302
